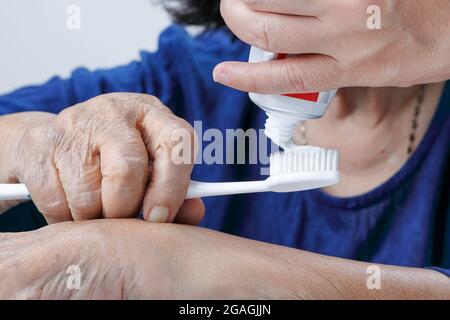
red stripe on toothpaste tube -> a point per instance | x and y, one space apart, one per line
285 111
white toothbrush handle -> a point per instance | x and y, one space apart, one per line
196 189
14 192
205 189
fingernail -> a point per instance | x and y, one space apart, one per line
221 76
159 215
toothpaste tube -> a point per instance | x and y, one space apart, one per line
285 111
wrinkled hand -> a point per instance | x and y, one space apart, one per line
339 50
102 157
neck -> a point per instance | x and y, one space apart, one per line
372 106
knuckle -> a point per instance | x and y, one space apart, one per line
327 74
179 128
127 170
255 81
69 119
40 143
122 168
294 79
35 136
107 104
171 139
148 102
180 142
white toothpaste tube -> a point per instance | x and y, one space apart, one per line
284 112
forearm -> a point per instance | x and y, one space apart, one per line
134 259
313 276
245 269
11 128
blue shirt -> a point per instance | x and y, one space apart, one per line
405 221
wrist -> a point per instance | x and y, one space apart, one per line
254 270
285 273
278 274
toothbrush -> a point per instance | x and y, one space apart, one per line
299 169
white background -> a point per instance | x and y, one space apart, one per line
36 44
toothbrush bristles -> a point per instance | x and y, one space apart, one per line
304 159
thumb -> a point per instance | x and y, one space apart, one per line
298 74
167 188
